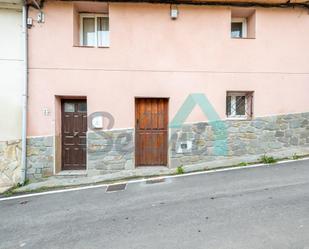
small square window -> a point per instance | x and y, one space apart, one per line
243 22
94 30
239 105
239 28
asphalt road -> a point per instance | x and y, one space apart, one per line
256 208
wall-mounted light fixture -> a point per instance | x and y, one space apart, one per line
29 22
174 11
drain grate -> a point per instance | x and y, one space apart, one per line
153 181
116 187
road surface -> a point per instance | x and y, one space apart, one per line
257 208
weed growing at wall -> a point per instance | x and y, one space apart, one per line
180 170
243 164
296 157
268 159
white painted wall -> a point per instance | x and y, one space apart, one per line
11 71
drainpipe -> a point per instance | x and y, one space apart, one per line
24 95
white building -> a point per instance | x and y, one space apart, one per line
11 85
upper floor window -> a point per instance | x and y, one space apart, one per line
94 30
239 105
239 28
243 23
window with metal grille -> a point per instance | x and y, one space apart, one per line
239 105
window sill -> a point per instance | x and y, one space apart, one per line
238 118
79 46
243 38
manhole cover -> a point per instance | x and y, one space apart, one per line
116 187
153 181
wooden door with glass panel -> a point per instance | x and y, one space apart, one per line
74 134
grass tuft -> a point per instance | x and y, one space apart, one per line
268 159
10 192
243 164
296 157
180 170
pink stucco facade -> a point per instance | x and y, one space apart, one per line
151 55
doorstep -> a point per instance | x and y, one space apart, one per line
73 173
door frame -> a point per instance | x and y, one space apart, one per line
167 131
59 99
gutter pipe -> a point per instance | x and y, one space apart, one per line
24 95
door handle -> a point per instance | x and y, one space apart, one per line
75 133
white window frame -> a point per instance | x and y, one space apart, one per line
243 20
233 114
81 26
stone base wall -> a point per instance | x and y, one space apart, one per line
10 163
208 145
40 157
110 151
242 138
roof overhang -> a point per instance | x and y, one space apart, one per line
237 3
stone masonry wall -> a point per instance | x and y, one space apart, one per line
10 159
40 157
110 151
245 138
226 140
113 151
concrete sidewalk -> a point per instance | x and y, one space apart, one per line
71 181
65 181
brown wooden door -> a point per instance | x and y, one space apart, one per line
74 134
151 131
